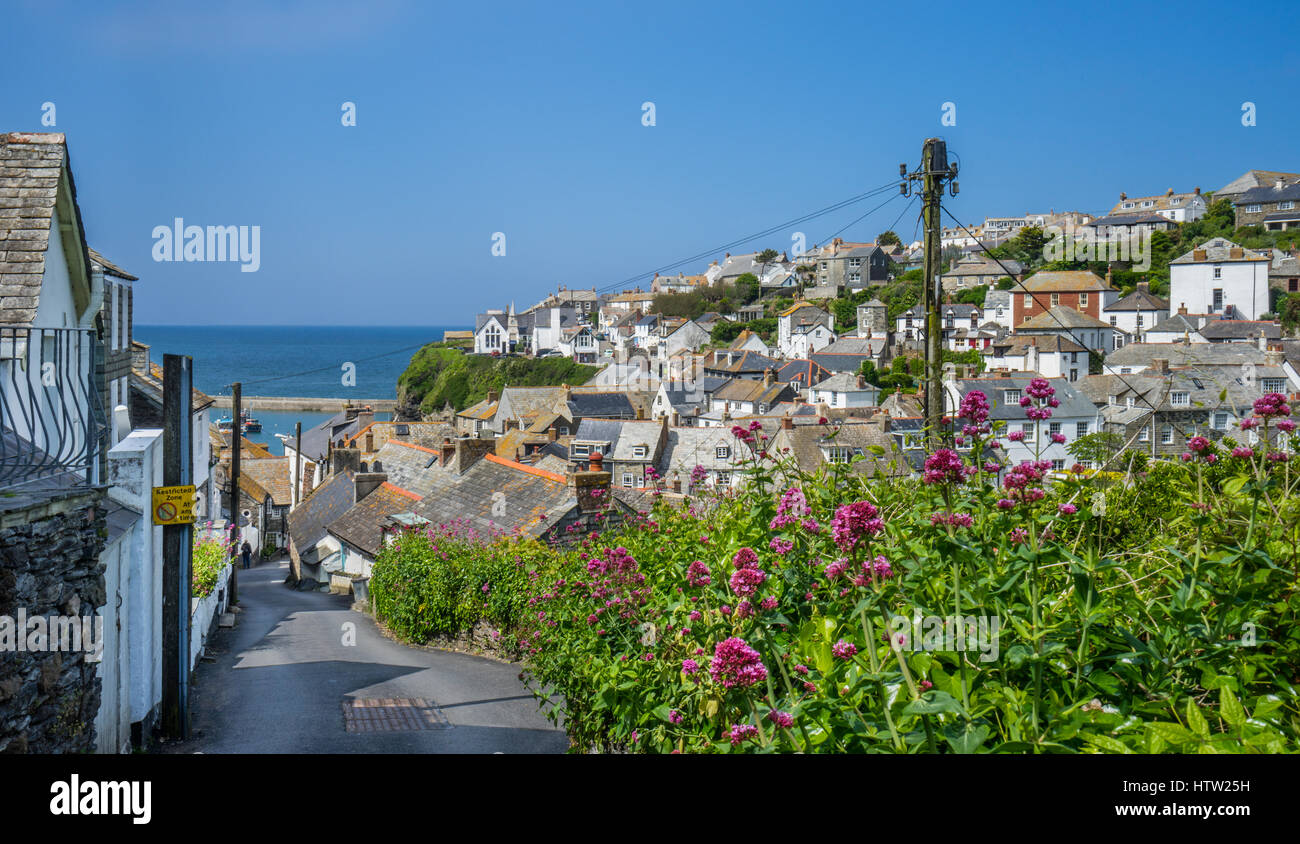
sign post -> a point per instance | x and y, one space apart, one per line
173 508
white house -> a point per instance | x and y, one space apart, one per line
1083 329
797 334
1219 273
1076 416
997 308
1135 314
844 390
1051 356
1176 207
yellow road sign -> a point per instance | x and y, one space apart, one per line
173 505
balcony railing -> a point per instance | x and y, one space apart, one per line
51 417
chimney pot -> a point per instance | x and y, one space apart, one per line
596 462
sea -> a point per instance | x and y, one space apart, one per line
292 360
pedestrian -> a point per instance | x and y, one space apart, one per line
246 551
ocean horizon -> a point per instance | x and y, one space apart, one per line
293 360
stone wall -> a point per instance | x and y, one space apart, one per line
50 566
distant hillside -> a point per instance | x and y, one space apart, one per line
439 374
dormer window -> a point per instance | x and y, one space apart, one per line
722 452
639 451
1010 397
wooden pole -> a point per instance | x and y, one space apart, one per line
934 164
178 547
236 444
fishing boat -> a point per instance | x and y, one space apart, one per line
249 424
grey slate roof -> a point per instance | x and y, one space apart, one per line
1073 402
607 404
1186 354
309 521
1219 250
1240 329
527 501
1269 193
31 169
1139 300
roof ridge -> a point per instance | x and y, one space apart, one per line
392 487
531 470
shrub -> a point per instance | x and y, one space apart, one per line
211 555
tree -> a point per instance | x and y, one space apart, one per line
869 373
888 238
846 314
725 332
1097 449
747 288
973 296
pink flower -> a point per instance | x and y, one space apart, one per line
735 663
1067 509
745 582
674 717
781 546
1286 425
742 732
1248 423
1058 438
801 669
689 667
843 649
744 558
697 574
974 407
1015 436
1242 451
1018 536
1198 444
782 719
854 522
1005 504
1272 404
768 603
944 466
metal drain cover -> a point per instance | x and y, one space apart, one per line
391 715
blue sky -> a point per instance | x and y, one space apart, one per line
526 119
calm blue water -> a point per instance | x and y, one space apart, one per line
291 361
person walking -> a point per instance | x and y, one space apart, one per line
246 551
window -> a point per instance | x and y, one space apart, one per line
1218 272
1011 397
1144 435
1056 299
1220 421
1167 435
1148 203
639 451
724 479
562 431
1054 428
855 262
1080 429
1141 320
1128 401
1253 209
1058 465
1083 300
1285 206
1293 285
1126 370
1218 300
1074 375
1180 399
722 452
581 450
1112 399
1029 300
1273 385
1114 322
855 276
1028 429
627 479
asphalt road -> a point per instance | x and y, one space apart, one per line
280 677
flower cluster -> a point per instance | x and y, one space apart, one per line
843 649
735 663
745 581
954 519
742 732
697 574
944 466
854 522
791 509
1272 404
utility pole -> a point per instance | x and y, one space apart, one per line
297 463
178 545
236 443
933 173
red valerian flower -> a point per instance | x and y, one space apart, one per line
854 522
944 466
735 663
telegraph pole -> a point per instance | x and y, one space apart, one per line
236 443
932 175
178 545
297 463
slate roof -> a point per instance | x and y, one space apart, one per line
600 431
1253 179
1175 323
316 440
1062 281
32 166
1051 343
272 475
1141 299
613 405
308 522
1240 329
1186 354
1061 318
360 525
750 390
1130 219
811 372
1218 251
806 442
408 466
108 266
690 447
743 361
1269 193
844 382
636 433
533 499
840 361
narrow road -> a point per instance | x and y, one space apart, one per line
280 678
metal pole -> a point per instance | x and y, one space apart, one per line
178 546
297 463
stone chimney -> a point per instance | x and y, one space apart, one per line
768 377
345 460
551 433
1144 286
308 480
139 356
1182 309
510 425
469 450
677 484
368 482
676 419
1236 252
1122 196
1197 191
591 487
1262 342
862 383
1273 357
1160 366
493 396
1198 254
370 441
787 424
640 413
446 451
1169 192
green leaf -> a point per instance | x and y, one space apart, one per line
1230 708
968 738
1170 732
933 702
1106 744
1196 721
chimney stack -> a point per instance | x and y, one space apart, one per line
1160 365
768 377
1236 252
1198 254
787 424
367 482
1182 309
343 460
446 451
469 450
591 486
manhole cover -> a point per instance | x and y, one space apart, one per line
391 715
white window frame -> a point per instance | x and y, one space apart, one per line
1179 398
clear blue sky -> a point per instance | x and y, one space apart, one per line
526 118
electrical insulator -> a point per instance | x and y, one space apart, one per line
955 189
903 188
902 169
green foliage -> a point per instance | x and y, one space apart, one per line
211 555
747 288
973 296
1006 283
887 238
970 358
845 313
1289 311
869 372
1153 614
689 305
438 374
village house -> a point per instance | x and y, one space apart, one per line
1219 273
1137 357
1074 417
800 374
491 335
696 458
1176 207
844 390
627 448
1136 313
1083 329
997 308
1049 355
977 270
1079 290
802 329
1276 206
847 354
866 444
1125 227
1284 273
848 266
745 396
1253 179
